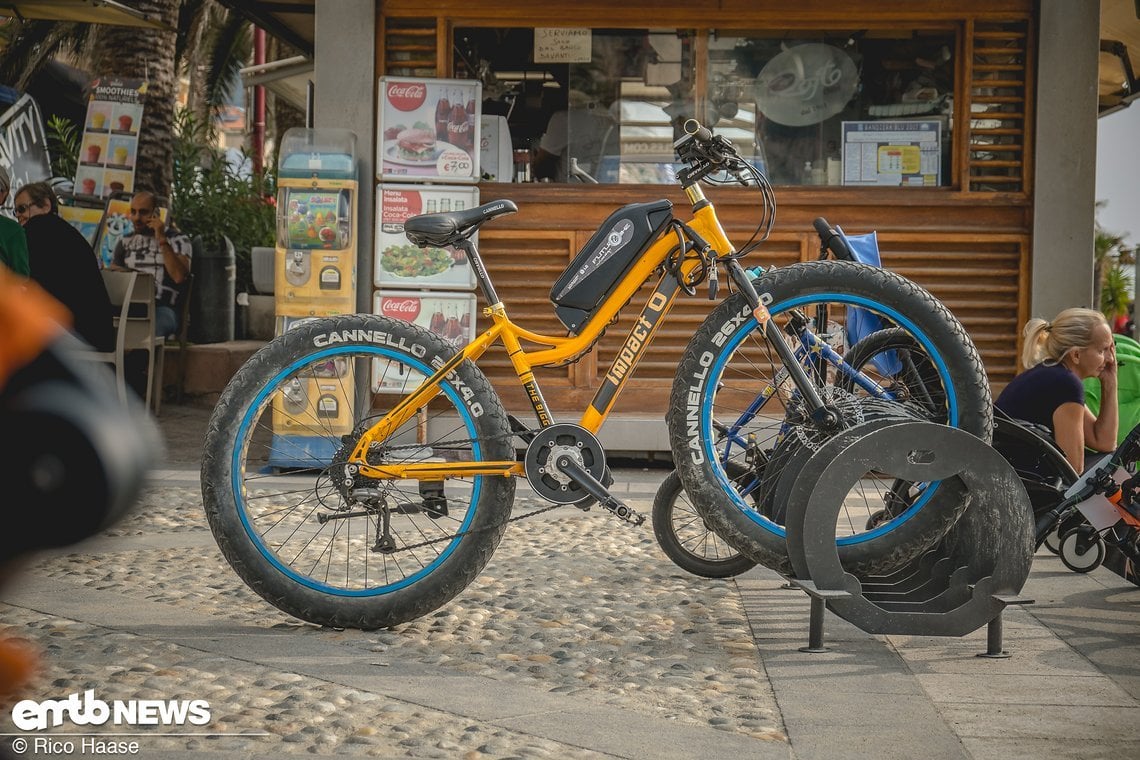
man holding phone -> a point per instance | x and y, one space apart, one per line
159 249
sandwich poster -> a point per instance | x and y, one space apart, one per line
428 129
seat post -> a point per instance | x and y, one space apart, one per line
481 273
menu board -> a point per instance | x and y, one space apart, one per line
400 264
429 129
85 219
449 315
108 153
906 153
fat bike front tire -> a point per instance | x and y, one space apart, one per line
316 539
728 368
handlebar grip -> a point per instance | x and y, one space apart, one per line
694 128
832 240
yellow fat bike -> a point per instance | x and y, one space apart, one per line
360 470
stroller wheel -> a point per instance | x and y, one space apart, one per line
1052 541
1082 549
877 519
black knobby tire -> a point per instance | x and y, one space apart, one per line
730 335
273 475
685 537
916 382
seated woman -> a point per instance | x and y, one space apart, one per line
1077 344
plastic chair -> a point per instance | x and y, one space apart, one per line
139 335
186 292
120 286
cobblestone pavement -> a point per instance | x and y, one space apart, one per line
579 640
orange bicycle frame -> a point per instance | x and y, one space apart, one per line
553 350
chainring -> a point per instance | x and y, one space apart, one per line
555 441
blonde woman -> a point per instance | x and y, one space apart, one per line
1058 355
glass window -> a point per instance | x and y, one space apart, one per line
851 108
846 107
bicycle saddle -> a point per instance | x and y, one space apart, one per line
449 227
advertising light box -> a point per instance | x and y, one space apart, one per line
399 263
428 129
449 315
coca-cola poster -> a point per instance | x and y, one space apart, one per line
449 315
399 263
428 129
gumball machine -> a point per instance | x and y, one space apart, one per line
314 276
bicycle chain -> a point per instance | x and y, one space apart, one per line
516 518
509 520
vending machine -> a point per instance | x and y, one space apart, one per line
314 276
316 223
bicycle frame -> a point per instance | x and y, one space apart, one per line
553 350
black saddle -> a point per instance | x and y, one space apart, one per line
449 227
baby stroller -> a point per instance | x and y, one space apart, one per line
1097 519
1083 544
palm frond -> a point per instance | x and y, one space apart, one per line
230 49
193 16
33 43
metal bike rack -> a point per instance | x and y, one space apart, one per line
961 584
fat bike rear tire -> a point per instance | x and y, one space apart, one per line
319 541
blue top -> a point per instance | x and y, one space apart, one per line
1037 392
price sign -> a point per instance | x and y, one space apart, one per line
455 163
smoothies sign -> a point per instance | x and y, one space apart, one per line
109 151
429 129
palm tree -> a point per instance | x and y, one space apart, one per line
158 56
1113 262
134 53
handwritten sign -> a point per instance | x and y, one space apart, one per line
562 45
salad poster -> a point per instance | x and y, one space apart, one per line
399 264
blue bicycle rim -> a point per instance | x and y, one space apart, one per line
236 469
727 351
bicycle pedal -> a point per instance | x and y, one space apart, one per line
623 512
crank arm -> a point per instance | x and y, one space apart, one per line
593 486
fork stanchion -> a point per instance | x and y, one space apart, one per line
963 582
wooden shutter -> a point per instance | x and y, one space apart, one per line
410 47
998 73
977 277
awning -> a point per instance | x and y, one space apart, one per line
287 78
85 11
293 21
1119 54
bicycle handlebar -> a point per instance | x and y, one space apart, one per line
700 133
832 240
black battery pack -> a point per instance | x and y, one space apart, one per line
620 240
